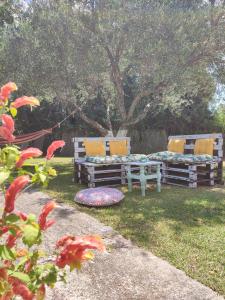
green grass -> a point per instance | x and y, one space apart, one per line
183 226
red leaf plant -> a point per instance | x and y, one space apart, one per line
42 220
16 186
25 271
20 289
53 147
6 90
22 101
28 153
74 251
8 122
7 128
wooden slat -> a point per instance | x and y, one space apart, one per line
106 138
108 171
197 136
176 170
177 177
107 179
89 164
192 146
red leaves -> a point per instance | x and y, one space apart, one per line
43 223
17 287
11 240
20 289
41 292
3 230
22 215
53 147
6 90
76 251
32 101
7 128
3 274
6 134
8 122
16 186
28 153
66 239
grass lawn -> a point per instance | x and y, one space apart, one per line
183 226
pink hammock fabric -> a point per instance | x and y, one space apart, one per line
28 137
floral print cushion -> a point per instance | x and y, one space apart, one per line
101 196
165 156
116 159
168 156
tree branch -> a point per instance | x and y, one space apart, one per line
115 70
140 117
141 95
91 122
136 101
117 81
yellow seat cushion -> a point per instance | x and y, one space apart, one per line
118 147
176 145
204 146
94 148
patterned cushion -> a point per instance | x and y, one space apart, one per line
168 156
116 159
101 196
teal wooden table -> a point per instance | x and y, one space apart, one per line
148 171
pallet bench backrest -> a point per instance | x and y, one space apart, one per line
190 142
79 149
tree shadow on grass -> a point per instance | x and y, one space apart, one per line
179 208
184 226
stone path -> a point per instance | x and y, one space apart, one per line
125 272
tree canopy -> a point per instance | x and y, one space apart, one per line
129 60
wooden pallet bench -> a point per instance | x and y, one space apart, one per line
93 174
176 173
195 174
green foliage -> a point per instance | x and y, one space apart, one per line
6 12
220 118
118 62
31 234
6 253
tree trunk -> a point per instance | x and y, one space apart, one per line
110 133
123 131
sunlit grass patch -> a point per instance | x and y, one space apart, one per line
184 226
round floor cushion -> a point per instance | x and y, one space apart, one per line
101 196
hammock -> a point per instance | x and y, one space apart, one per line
28 137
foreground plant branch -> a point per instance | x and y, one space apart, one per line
25 270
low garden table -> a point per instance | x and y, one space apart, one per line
146 173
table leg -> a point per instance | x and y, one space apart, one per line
158 179
142 180
129 180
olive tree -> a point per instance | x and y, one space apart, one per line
75 51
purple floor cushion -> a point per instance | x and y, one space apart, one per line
101 196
